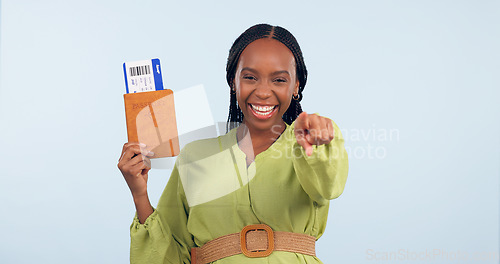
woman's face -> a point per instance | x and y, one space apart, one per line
265 81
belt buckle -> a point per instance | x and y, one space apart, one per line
257 254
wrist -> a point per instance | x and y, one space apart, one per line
140 196
143 206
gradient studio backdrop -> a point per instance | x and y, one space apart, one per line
413 84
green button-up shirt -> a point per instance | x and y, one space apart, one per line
211 192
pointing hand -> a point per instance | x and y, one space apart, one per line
312 129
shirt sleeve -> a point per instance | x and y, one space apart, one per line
163 238
323 174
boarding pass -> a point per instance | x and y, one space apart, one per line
143 76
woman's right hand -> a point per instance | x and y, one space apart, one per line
134 164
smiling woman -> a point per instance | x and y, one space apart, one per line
260 193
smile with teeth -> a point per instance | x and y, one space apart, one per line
263 110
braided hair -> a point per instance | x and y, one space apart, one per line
256 32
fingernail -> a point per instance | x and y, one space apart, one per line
142 145
309 152
151 153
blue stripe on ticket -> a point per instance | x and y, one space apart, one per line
157 74
125 74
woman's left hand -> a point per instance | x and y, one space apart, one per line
312 129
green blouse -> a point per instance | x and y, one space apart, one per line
211 192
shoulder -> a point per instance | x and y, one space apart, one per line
201 149
200 145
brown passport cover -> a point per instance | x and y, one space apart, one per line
151 120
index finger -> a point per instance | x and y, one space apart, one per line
302 121
131 149
302 141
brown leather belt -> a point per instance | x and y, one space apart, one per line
253 241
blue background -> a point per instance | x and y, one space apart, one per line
426 70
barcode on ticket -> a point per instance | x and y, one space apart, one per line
143 76
140 70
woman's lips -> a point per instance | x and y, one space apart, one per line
263 111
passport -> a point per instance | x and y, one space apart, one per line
150 109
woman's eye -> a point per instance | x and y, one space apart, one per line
248 77
280 80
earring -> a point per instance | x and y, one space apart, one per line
295 97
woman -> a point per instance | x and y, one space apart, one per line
279 169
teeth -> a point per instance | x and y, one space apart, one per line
266 109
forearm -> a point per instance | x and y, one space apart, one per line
143 207
323 174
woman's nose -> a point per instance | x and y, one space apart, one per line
263 90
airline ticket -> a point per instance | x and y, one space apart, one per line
143 76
